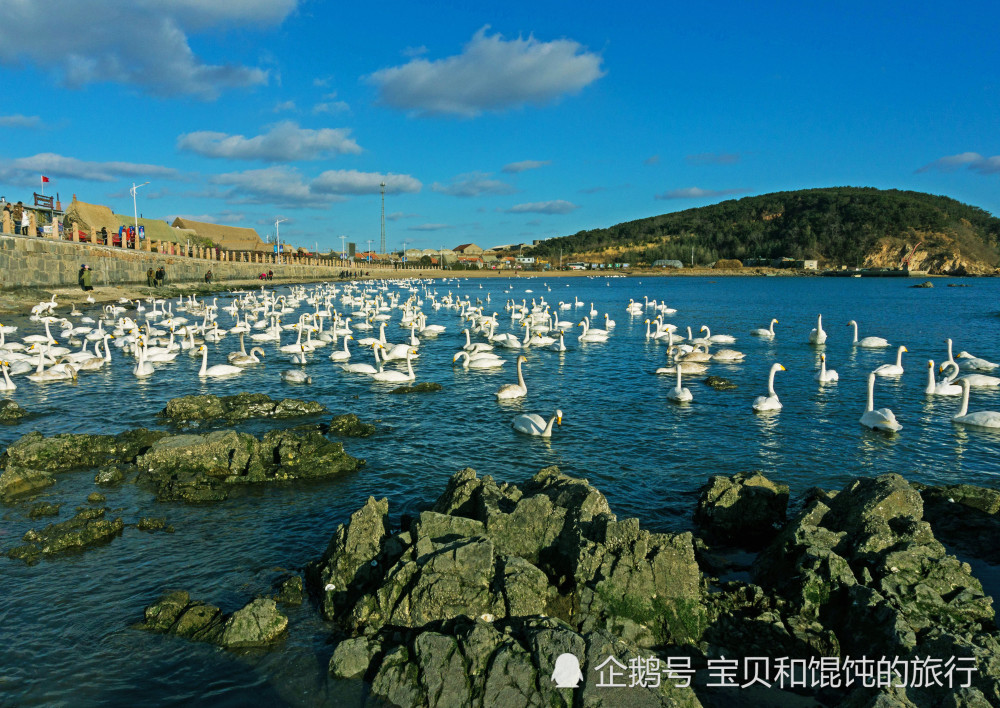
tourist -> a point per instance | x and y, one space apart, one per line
270 275
150 278
87 280
18 214
208 276
7 215
79 275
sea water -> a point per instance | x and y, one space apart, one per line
68 622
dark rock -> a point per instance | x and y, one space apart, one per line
745 509
44 509
925 284
424 387
965 517
201 468
242 406
95 498
257 624
18 481
352 657
69 451
11 412
148 523
88 528
350 426
290 591
719 383
110 474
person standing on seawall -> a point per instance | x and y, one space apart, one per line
88 283
150 278
17 213
208 276
79 275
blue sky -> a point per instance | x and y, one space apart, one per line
499 125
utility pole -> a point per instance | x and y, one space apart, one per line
343 247
277 238
383 218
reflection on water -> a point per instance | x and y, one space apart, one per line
72 615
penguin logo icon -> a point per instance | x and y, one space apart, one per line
567 673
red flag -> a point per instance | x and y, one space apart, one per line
44 179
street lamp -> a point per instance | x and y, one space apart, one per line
135 210
343 247
277 238
369 250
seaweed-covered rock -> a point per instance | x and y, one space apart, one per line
69 451
745 509
11 412
44 509
88 528
20 481
257 624
349 425
148 523
200 468
242 406
423 387
290 591
719 383
95 498
966 517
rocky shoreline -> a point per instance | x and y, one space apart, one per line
480 598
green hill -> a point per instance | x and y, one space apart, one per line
837 225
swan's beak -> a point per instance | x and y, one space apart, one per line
559 420
782 368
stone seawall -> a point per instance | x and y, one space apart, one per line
37 262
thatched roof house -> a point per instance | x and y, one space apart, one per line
232 238
90 217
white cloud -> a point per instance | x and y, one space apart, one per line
285 186
429 227
354 182
697 193
331 107
142 43
651 160
25 170
524 165
284 106
285 142
556 206
473 184
19 121
491 74
972 160
397 215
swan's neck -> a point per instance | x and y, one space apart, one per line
855 326
345 346
951 377
899 357
204 361
771 328
965 401
951 359
243 349
678 377
822 368
708 333
770 383
548 428
930 380
871 394
409 365
520 376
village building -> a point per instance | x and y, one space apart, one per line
230 238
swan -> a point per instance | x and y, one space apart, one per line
338 355
881 419
98 361
479 363
608 322
6 384
717 338
975 380
508 341
825 375
943 388
892 369
728 355
767 333
867 342
589 336
677 393
296 376
818 335
217 370
364 368
398 376
688 367
541 340
560 344
974 362
518 390
699 354
59 372
534 424
475 347
247 359
769 402
979 419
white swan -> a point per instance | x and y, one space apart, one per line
730 355
892 369
943 388
867 342
678 393
818 335
975 380
6 384
491 362
589 336
881 419
397 376
534 424
767 333
975 363
365 368
338 355
247 359
769 402
518 390
560 344
217 370
979 419
717 338
296 376
825 375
